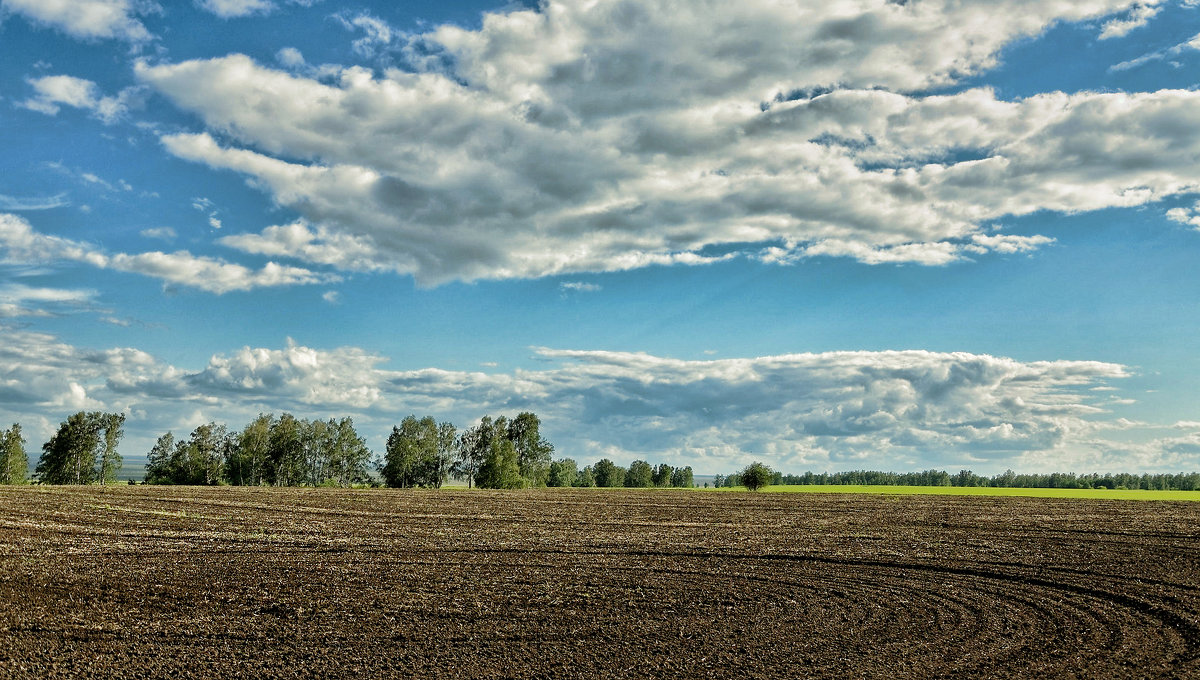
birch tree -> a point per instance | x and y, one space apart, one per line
14 462
70 455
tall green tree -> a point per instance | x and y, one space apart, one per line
160 463
318 446
399 459
249 461
562 473
468 455
608 473
70 455
474 444
662 474
682 477
110 461
533 451
640 475
14 462
500 469
348 456
204 454
285 453
447 448
411 458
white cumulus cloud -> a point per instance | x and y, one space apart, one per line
1137 17
87 19
589 137
52 92
228 9
1186 215
377 33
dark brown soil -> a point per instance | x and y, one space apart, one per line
140 582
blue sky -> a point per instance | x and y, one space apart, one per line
863 235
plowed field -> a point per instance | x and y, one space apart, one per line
252 583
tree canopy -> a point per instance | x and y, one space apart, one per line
563 473
14 462
419 453
640 475
608 473
283 451
756 475
198 460
83 450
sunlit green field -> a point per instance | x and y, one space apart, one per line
1113 494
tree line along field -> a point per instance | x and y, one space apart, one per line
500 453
1120 481
1033 492
250 582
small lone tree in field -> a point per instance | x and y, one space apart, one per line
756 476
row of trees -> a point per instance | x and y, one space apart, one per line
286 451
498 453
1006 479
504 453
605 473
82 451
270 450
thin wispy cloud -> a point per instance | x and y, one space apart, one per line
1136 18
161 233
19 240
88 19
1159 55
17 300
579 287
20 203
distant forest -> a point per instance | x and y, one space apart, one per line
1007 479
500 453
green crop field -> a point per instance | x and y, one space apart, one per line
1110 494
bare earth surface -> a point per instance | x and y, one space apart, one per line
252 583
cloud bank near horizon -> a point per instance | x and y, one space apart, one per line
834 410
